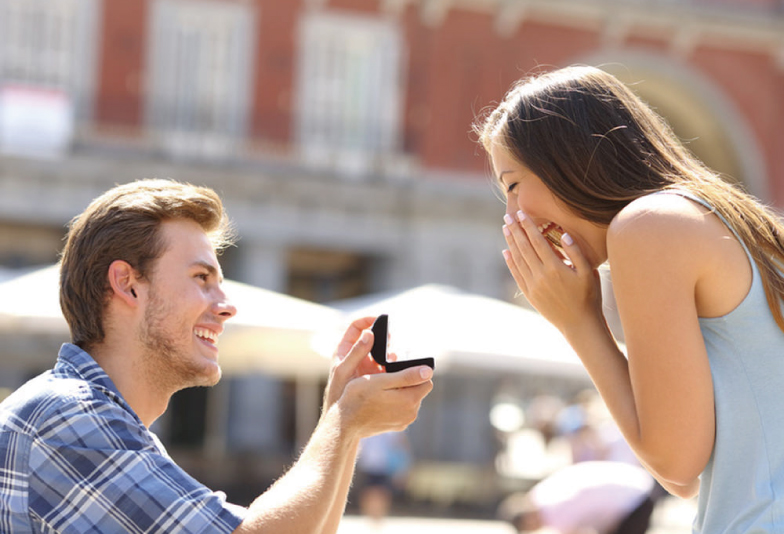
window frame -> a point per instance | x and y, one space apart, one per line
171 23
334 47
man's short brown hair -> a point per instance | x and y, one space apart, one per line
124 224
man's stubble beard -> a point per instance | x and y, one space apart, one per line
168 361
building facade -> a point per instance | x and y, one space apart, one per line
339 131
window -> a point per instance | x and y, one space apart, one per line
50 45
200 64
349 89
323 275
46 73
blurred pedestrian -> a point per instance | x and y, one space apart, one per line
382 467
585 498
542 415
591 432
578 424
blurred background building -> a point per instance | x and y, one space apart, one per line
339 134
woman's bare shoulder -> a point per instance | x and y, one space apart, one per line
676 238
665 233
663 215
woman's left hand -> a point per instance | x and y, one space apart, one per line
562 292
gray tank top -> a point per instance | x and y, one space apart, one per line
742 487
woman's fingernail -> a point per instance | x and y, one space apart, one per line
567 240
507 232
365 337
507 255
508 219
520 216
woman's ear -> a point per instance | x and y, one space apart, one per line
123 280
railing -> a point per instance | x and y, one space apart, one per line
744 7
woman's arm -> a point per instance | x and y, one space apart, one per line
657 258
662 397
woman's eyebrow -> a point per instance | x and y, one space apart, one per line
501 175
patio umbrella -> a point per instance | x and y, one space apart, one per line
469 332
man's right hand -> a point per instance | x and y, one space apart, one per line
360 400
373 404
370 400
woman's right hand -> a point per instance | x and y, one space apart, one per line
564 293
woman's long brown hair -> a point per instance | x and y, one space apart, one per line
598 147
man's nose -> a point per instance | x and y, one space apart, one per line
223 308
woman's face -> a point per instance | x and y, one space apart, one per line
526 192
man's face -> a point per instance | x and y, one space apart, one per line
185 309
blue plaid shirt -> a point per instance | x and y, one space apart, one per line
75 458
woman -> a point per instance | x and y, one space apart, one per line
592 175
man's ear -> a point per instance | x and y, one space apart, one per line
124 280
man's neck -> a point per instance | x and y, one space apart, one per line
136 383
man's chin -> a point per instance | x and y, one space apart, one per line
207 368
205 375
211 376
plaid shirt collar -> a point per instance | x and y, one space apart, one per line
74 362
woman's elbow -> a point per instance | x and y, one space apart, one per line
683 491
680 469
679 478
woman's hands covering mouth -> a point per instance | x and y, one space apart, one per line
555 277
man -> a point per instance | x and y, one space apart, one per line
141 291
585 498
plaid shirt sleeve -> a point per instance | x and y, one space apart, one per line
93 468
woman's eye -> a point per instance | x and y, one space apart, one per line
511 187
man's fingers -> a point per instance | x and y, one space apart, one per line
352 335
413 376
356 354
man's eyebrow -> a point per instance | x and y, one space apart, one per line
214 271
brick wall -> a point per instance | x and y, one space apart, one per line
457 64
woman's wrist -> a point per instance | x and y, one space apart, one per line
590 330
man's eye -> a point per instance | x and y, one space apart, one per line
203 276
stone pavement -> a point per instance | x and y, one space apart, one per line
421 525
672 516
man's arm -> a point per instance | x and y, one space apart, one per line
311 497
339 506
337 382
